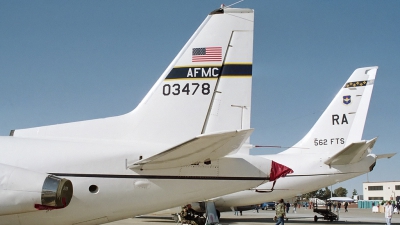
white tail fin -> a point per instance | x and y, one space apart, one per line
215 62
342 123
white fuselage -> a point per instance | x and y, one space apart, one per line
310 174
122 193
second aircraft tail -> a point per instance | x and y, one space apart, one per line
342 123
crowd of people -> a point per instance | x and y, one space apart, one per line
190 216
337 206
282 209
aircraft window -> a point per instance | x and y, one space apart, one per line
94 189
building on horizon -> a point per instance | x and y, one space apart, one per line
387 190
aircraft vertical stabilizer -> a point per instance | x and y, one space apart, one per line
201 91
342 123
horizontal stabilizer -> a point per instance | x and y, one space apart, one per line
200 149
352 153
384 156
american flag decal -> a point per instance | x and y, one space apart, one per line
207 54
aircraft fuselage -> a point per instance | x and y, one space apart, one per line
105 190
302 181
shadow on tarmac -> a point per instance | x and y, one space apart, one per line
293 220
157 219
303 217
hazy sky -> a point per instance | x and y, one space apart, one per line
65 61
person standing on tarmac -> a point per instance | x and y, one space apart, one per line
280 212
388 212
287 207
345 206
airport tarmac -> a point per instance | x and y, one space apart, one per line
303 217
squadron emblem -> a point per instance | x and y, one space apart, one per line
347 99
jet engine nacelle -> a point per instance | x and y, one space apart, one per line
23 190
